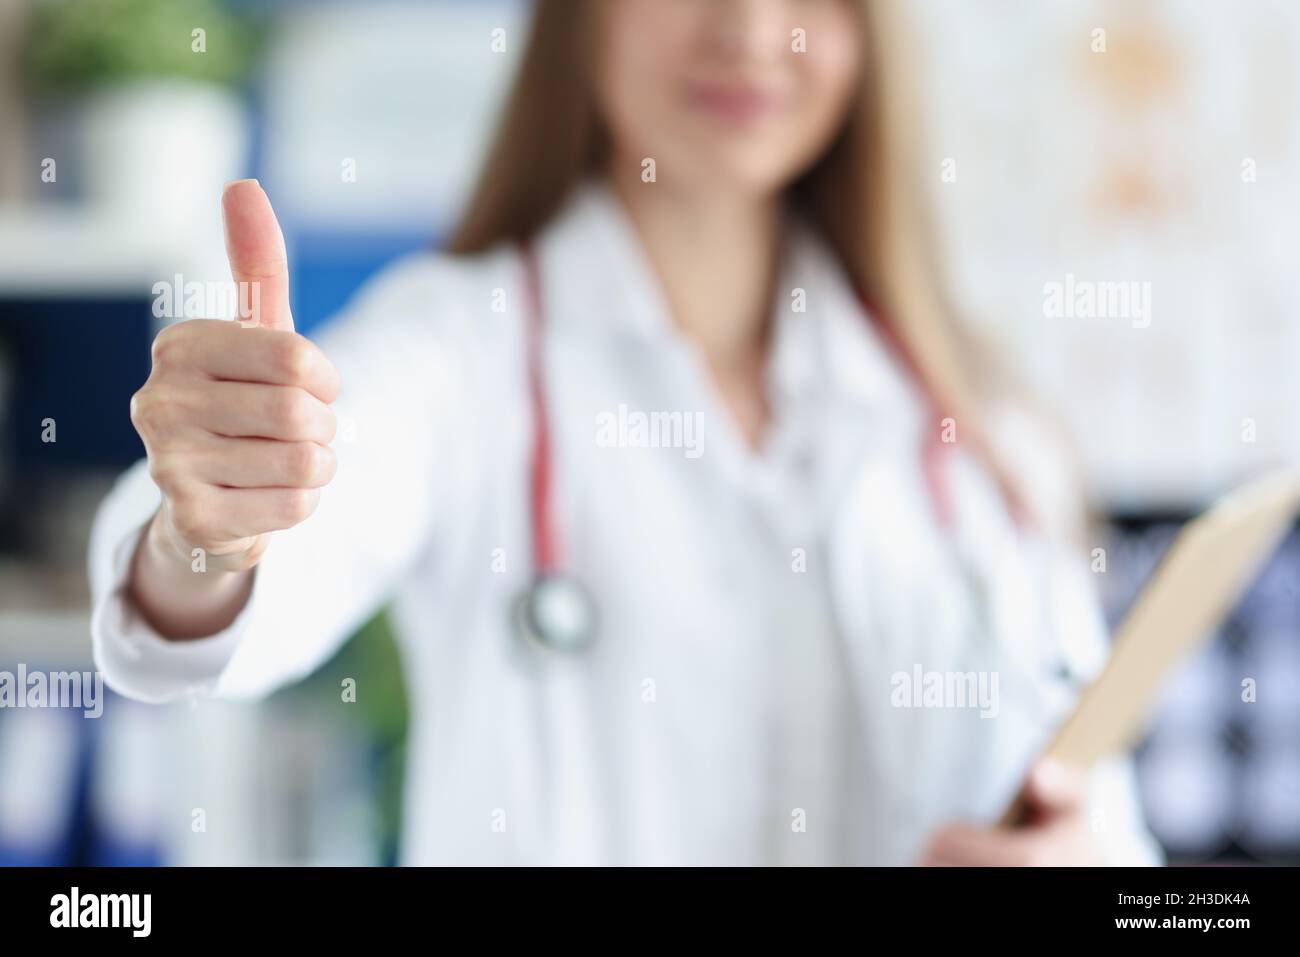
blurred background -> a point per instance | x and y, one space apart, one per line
1170 157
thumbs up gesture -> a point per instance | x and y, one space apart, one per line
235 417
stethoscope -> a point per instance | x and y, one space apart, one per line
556 612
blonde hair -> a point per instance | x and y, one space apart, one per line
862 194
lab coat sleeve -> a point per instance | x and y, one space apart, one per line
403 359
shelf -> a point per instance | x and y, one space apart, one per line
69 251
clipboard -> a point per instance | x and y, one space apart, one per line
1195 585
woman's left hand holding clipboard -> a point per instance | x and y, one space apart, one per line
1053 830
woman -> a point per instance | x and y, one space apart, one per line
833 621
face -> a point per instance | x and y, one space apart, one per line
727 94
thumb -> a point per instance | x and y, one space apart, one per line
1053 789
255 247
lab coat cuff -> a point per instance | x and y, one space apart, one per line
137 661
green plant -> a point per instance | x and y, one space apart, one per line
76 45
371 661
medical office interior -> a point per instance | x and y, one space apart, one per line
1153 142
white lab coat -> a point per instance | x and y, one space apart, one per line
651 747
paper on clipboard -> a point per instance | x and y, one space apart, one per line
1194 586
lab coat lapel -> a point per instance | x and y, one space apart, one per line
884 546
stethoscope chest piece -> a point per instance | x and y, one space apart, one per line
556 613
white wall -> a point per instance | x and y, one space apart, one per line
1128 165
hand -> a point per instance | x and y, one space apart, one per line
235 417
1054 833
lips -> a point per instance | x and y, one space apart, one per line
734 102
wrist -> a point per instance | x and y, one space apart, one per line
161 542
186 568
179 593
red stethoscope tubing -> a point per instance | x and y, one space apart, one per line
546 544
933 448
547 555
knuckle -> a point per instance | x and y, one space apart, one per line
297 504
147 407
166 345
332 380
293 357
294 412
140 409
181 499
327 464
154 414
163 471
300 462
